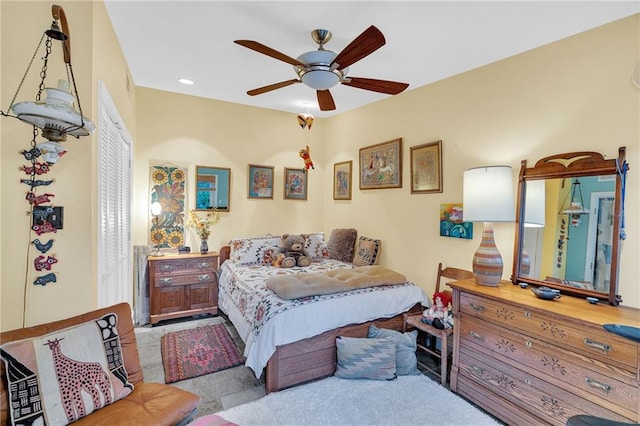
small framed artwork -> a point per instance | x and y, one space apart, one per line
381 165
452 222
426 168
260 181
342 180
295 184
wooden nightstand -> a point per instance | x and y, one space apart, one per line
182 285
412 321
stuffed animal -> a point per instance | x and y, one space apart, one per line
291 252
304 154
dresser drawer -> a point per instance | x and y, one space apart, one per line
552 404
183 266
169 280
595 342
600 383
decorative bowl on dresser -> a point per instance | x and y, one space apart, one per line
532 361
182 285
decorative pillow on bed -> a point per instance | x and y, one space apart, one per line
406 361
252 250
342 243
60 377
316 246
366 252
362 358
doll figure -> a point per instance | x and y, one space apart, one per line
439 313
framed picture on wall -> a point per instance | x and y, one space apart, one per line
342 180
260 181
381 165
295 184
426 168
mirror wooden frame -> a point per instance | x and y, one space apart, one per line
572 165
222 175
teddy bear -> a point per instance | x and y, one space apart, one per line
291 252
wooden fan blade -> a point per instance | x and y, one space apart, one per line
265 50
381 86
365 44
325 100
265 89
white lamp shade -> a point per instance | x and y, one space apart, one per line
534 204
488 194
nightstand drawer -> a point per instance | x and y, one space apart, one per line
181 266
205 277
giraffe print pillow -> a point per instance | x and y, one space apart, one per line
60 377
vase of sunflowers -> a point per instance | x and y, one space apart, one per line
202 225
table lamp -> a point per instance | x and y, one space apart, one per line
488 197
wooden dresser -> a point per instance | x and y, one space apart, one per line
182 285
532 361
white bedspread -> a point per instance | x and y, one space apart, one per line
265 321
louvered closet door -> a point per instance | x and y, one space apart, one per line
115 282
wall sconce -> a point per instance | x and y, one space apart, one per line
575 209
55 115
488 197
156 210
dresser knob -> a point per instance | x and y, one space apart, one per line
597 345
204 277
203 265
597 385
166 280
476 336
166 267
477 308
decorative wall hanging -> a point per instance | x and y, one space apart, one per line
260 181
305 120
426 168
381 165
168 189
452 222
342 180
305 154
295 184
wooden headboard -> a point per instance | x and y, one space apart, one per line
225 252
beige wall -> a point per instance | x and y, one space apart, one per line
573 95
95 55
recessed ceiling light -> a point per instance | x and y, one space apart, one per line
185 81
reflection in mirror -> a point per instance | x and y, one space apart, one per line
212 188
573 246
569 224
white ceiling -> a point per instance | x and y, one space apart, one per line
426 41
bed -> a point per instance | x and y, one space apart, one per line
293 341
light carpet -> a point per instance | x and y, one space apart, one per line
408 400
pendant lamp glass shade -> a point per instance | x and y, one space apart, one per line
488 197
55 115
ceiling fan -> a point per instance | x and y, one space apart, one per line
322 69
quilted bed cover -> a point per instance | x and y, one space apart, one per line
265 321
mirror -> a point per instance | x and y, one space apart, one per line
568 219
212 188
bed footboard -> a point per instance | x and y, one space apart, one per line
315 357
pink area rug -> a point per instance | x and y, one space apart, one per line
198 351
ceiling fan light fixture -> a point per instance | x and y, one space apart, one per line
320 79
